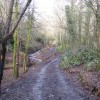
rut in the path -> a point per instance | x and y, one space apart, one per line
46 83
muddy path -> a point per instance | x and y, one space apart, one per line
46 82
51 84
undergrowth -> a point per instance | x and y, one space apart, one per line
74 57
61 49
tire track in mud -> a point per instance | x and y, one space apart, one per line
37 92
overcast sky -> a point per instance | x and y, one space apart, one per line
47 8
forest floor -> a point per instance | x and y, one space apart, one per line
47 81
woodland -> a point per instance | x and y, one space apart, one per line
74 31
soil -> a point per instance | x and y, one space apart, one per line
46 81
8 70
88 80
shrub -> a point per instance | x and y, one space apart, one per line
87 56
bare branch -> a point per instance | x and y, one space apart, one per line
8 21
19 19
91 6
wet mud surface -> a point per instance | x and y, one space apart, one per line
45 82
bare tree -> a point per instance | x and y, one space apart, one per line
8 33
95 6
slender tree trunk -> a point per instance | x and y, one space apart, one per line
2 60
15 69
98 31
15 63
26 52
97 34
87 26
30 16
80 24
17 57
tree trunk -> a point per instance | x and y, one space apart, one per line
97 33
98 26
87 26
15 63
26 51
15 69
27 40
2 60
8 34
17 57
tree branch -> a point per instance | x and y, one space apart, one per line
19 19
91 5
8 21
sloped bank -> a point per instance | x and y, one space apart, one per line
83 66
89 81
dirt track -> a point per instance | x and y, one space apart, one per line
51 85
46 82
